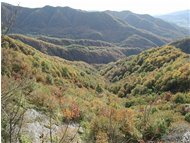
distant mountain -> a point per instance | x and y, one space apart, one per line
181 18
65 22
150 24
90 51
183 44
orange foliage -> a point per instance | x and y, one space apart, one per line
72 112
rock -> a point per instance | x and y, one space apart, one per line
186 137
80 131
179 134
36 127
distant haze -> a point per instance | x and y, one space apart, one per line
152 7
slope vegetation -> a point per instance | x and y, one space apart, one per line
152 71
75 94
90 51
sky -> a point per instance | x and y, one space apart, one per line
153 7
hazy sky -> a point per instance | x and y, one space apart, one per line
138 6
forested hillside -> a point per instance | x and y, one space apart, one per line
152 71
140 98
90 51
75 76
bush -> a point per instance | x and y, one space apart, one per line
155 130
114 126
187 117
135 101
65 72
35 64
139 89
25 139
58 82
16 68
182 98
82 74
5 71
40 78
45 67
115 89
49 79
99 89
129 103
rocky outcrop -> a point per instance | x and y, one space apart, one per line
180 134
36 128
186 137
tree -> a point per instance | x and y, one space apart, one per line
13 107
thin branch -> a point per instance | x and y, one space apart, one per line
75 134
63 137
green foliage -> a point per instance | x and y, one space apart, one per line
99 89
65 72
153 71
45 67
25 139
187 117
49 79
181 98
139 90
16 67
133 101
155 130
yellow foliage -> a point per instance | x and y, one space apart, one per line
101 137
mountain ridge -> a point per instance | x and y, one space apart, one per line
77 50
65 22
180 18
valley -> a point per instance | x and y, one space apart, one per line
73 76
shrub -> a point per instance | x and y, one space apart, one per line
45 67
155 130
99 89
115 79
129 103
153 110
16 67
40 78
187 117
82 74
58 82
101 137
135 101
5 70
139 89
115 89
25 139
49 79
65 72
182 98
35 64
